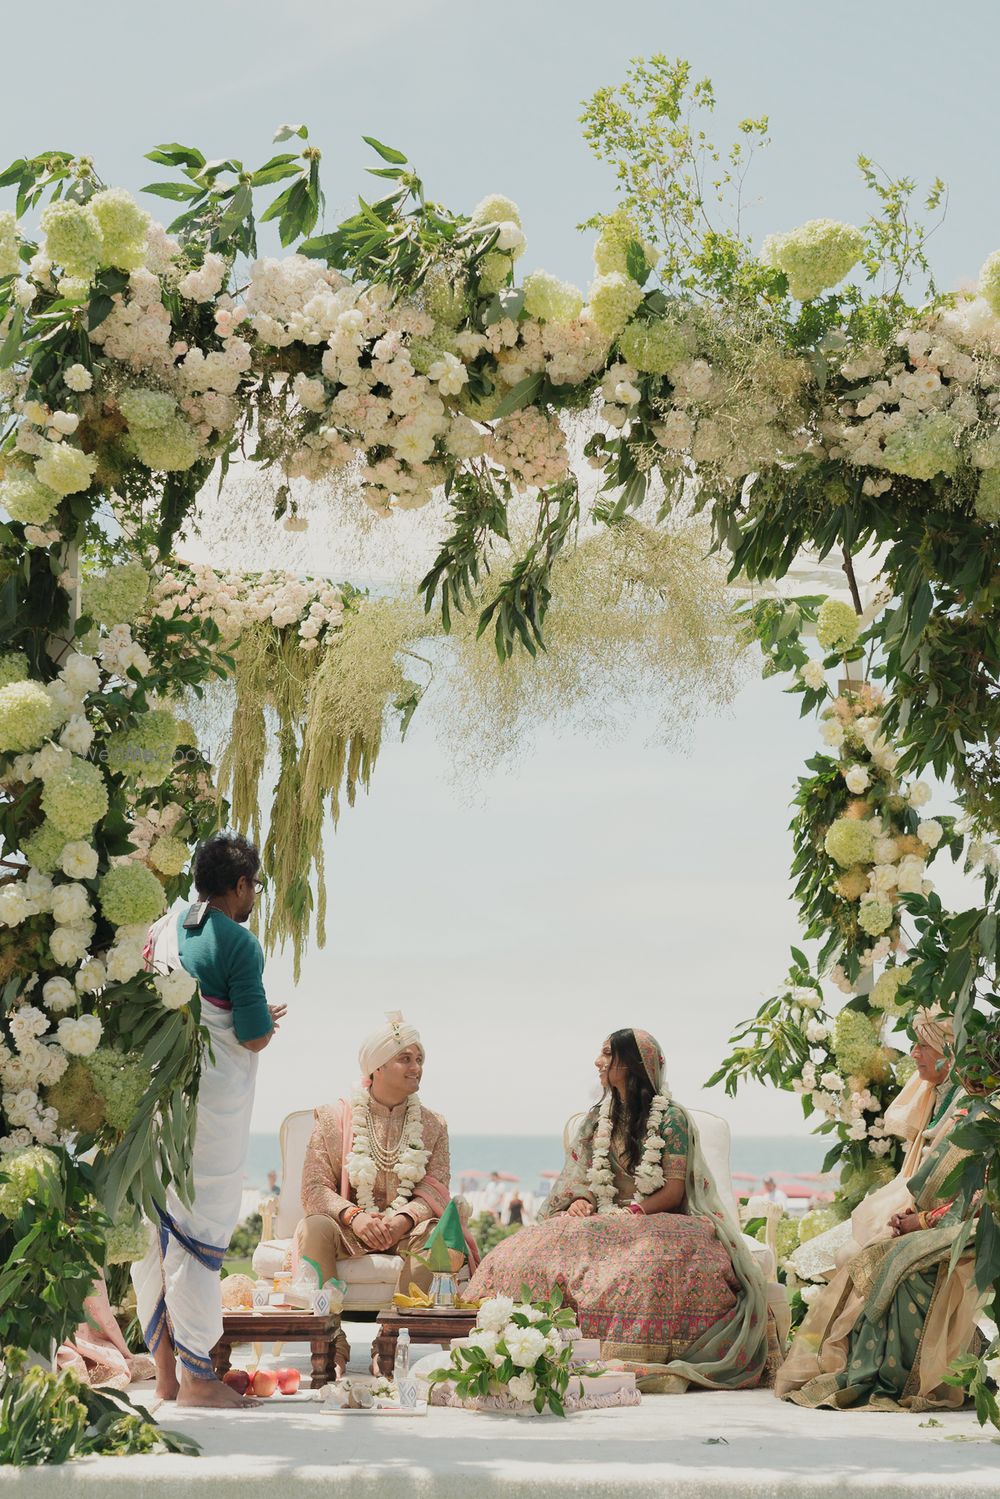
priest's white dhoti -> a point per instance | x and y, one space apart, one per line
177 1284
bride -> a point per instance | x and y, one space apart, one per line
636 1235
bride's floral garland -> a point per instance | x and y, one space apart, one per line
365 1159
649 1172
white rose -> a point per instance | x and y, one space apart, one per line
832 733
930 833
175 989
70 904
832 1081
522 1386
525 1345
80 1037
813 675
856 779
79 860
494 1314
58 995
910 875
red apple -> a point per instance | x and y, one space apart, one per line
238 1378
265 1382
288 1380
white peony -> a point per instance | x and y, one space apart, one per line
58 995
495 1313
919 794
79 860
78 735
70 904
486 1341
832 733
14 906
816 1032
78 378
930 833
69 944
91 976
910 875
175 989
522 1386
526 1345
80 1037
813 675
856 779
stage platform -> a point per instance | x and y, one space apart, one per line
698 1445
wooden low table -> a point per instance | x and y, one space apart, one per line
437 1326
285 1326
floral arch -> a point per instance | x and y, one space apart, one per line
789 407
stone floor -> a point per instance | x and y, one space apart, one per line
700 1444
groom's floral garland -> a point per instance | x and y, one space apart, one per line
649 1172
363 1168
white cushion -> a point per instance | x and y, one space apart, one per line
370 1269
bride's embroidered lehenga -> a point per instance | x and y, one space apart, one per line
886 1329
676 1295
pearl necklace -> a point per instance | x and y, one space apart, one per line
649 1172
408 1163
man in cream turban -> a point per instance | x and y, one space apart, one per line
376 1173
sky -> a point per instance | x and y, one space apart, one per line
592 884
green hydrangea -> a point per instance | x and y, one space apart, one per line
856 1044
904 1069
75 1098
656 348
786 1237
13 667
988 496
72 238
479 408
27 1172
445 302
818 1221
76 798
116 597
494 269
43 848
618 231
126 1241
837 626
850 840
496 209
857 1182
926 446
170 856
158 435
131 895
144 751
989 281
66 469
25 499
887 986
10 260
428 350
875 915
550 299
122 1081
816 256
123 225
613 299
27 716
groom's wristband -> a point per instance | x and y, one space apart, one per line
349 1215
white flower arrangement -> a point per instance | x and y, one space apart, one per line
521 1348
362 1167
648 1173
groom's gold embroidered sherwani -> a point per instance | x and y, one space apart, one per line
322 1237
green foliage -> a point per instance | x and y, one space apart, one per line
246 1237
488 1232
475 1376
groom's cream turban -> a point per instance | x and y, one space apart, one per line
383 1044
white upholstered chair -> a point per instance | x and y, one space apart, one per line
370 1278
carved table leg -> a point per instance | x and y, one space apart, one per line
222 1355
321 1350
384 1351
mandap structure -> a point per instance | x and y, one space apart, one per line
818 395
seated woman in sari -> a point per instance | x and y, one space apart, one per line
887 1328
920 1114
638 1239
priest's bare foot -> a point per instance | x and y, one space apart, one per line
213 1393
165 1359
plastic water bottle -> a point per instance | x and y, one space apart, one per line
406 1385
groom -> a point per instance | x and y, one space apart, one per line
377 1169
177 1284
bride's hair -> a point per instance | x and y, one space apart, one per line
633 1112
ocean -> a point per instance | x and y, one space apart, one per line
527 1156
